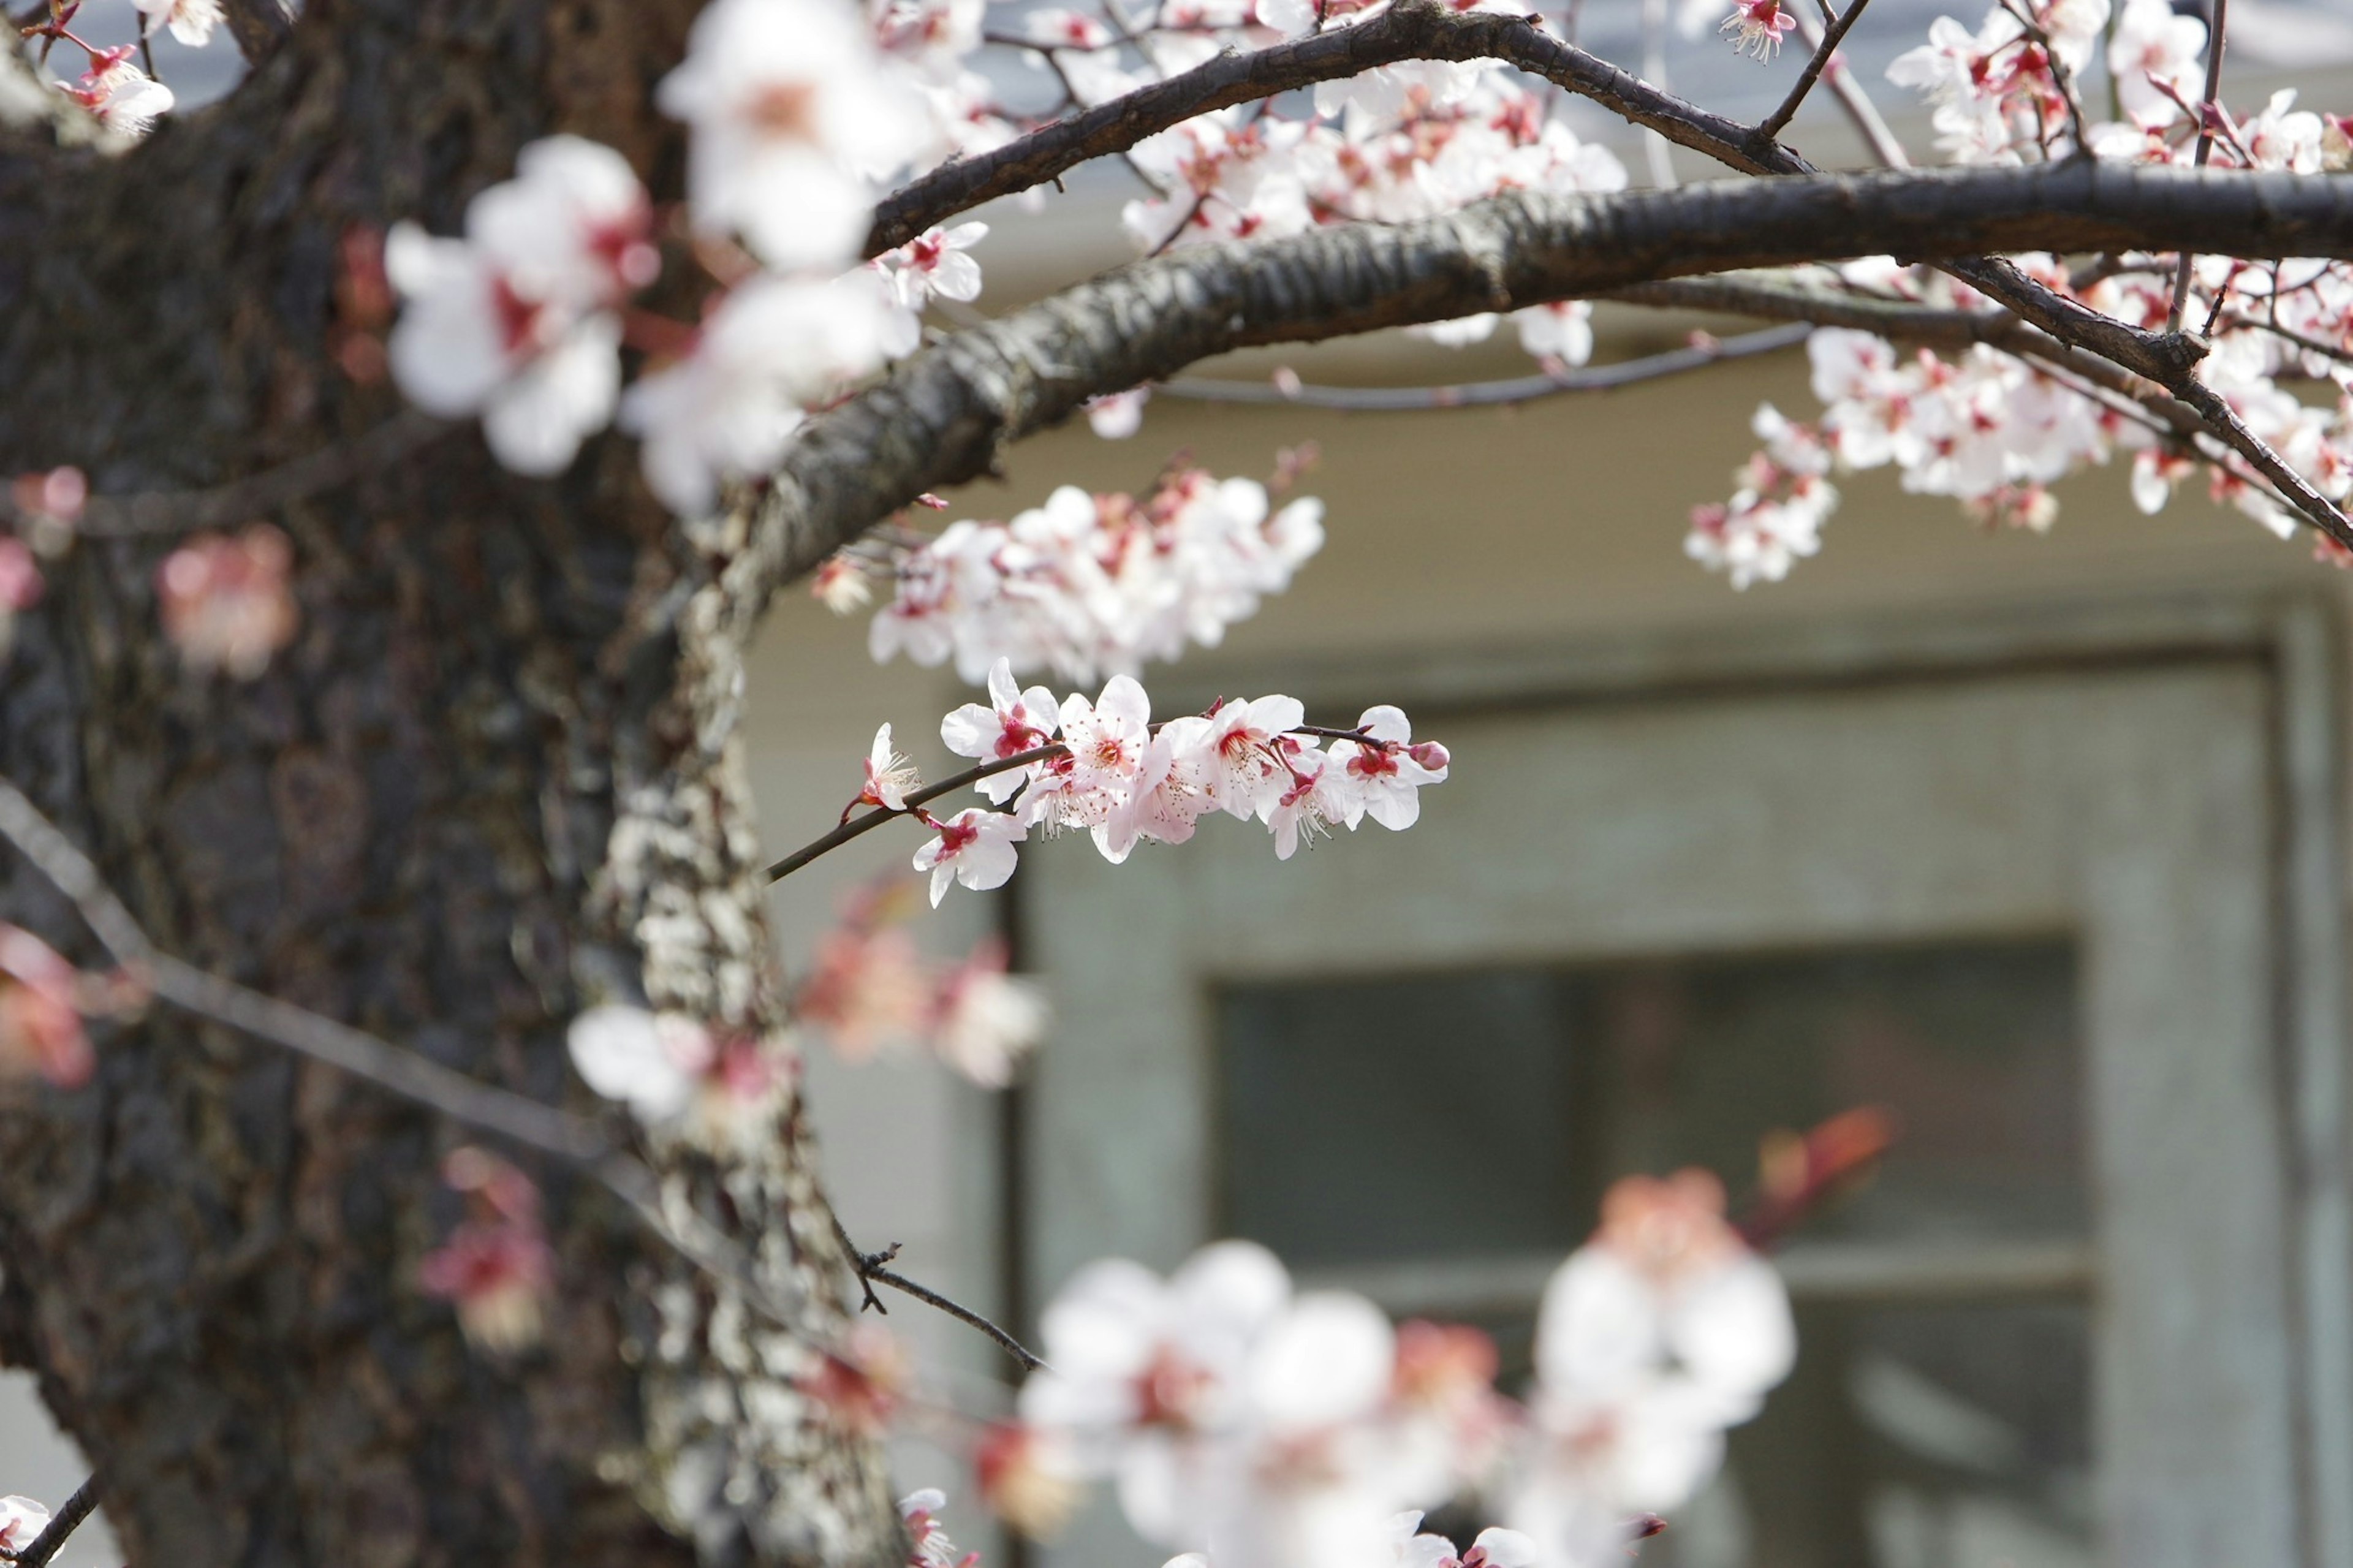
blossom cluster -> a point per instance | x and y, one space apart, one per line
1995 430
496 1266
1086 584
1258 1424
798 110
870 990
1104 765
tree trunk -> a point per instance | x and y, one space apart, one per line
493 779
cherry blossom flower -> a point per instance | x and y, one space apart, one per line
868 987
1167 793
1385 771
1027 1477
842 584
1315 797
225 601
21 1523
928 1543
41 1032
984 1020
1230 1413
1014 722
1759 26
974 847
190 21
1108 737
496 1268
793 123
1119 415
1245 766
934 262
1562 332
1096 584
126 100
649 1062
1494 1548
2156 47
1650 1340
774 347
515 321
861 1382
888 777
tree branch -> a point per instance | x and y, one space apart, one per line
62 1524
942 416
1769 128
1491 394
1414 30
872 1267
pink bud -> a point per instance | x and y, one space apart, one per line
1430 754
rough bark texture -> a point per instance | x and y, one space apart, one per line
492 780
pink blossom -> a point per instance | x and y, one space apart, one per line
41 1029
515 321
225 600
771 349
868 987
1167 793
1029 1477
1759 26
1245 765
496 1268
21 1523
1108 737
793 123
889 778
190 21
974 847
929 1546
126 98
935 262
1116 415
2156 47
1014 722
1313 797
1385 771
984 1020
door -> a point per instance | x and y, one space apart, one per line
2038 912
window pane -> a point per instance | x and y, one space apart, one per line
1373 1123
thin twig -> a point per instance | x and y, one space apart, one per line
1771 126
180 511
961 1314
870 1268
880 815
62 1523
1491 393
2206 114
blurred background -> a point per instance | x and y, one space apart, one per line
2035 841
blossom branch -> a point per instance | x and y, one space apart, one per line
2207 112
1769 128
1491 394
1416 29
914 800
944 414
61 1525
871 1268
177 512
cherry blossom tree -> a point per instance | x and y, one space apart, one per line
403 1154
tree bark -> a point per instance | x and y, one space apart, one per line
493 780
